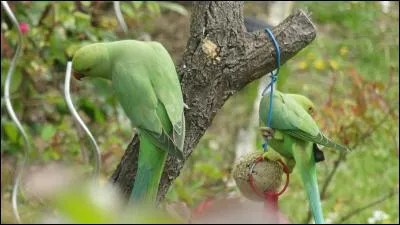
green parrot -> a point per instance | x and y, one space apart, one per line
294 135
146 84
277 141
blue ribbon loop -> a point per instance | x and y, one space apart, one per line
274 77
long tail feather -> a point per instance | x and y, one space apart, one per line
319 139
151 165
309 177
164 142
305 161
324 140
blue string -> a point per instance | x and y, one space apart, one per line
274 77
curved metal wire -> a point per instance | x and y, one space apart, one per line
120 17
76 116
11 111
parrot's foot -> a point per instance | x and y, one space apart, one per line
267 133
291 163
275 156
272 155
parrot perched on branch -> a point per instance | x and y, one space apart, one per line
295 135
146 84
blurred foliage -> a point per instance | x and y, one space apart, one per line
55 31
350 71
52 32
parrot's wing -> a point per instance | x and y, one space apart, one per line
168 90
136 96
299 118
320 138
307 129
303 126
287 114
163 141
139 100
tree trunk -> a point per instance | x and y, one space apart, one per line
220 59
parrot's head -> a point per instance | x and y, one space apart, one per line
305 103
308 105
91 61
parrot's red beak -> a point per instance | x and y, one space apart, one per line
78 75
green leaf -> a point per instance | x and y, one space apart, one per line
126 9
174 7
82 21
99 116
109 36
16 78
57 41
36 10
61 106
92 110
48 132
11 131
86 3
210 170
154 7
137 4
55 155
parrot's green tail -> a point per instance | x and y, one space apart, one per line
309 178
305 161
329 143
151 165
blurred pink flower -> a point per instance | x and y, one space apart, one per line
236 211
24 27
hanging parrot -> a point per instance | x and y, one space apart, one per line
145 81
277 140
294 135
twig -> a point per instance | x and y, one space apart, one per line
367 206
79 7
46 12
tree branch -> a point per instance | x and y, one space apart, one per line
220 59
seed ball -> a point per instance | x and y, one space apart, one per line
267 175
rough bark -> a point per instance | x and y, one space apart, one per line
220 59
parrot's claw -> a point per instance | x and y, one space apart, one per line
272 156
291 163
267 132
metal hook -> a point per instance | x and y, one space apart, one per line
120 18
76 116
11 111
